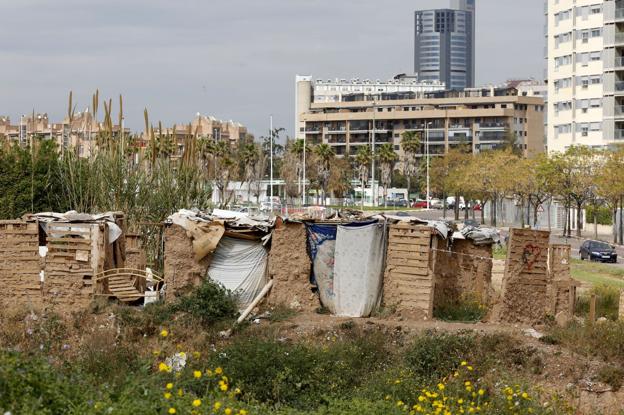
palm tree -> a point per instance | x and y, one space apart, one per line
363 159
297 148
224 167
249 156
410 142
387 158
325 154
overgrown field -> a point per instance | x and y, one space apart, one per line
173 359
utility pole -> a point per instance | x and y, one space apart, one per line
427 151
271 158
373 158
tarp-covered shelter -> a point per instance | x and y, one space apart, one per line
347 263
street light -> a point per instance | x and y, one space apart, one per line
427 159
373 157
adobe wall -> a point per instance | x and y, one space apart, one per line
20 265
562 288
408 279
464 271
289 267
181 271
526 280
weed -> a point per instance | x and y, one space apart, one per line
607 302
468 310
281 313
612 376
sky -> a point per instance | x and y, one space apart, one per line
233 59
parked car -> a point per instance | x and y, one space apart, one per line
597 251
397 203
420 204
435 204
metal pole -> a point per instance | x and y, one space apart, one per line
303 193
427 151
373 158
271 149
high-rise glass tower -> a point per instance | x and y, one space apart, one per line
445 44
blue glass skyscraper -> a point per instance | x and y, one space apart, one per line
445 44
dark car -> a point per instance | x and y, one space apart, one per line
598 251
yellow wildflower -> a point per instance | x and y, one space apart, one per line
163 367
180 392
464 363
242 412
169 386
525 395
196 355
218 371
208 372
167 395
441 386
165 333
197 374
481 392
223 387
228 411
172 410
217 405
196 403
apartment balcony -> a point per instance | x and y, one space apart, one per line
619 39
619 111
619 134
337 131
337 140
493 125
619 88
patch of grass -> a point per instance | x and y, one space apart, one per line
499 252
604 340
596 273
281 313
612 376
607 302
466 310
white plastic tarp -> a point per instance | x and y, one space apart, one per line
241 266
358 269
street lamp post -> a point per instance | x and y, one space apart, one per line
427 161
373 157
271 150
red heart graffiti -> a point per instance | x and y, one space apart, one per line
530 255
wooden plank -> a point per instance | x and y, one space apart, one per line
408 270
408 248
422 256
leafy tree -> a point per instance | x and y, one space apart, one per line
610 183
387 159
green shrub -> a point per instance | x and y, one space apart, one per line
301 375
436 354
607 302
604 215
601 339
207 304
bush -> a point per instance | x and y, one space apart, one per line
607 302
604 340
612 376
300 375
604 215
435 355
208 304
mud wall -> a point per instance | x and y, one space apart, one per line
181 271
289 267
20 264
525 284
464 271
408 279
562 288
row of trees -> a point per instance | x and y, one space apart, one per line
579 178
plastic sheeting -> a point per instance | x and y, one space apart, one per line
322 246
358 269
347 266
241 266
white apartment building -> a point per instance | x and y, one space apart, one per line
585 53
